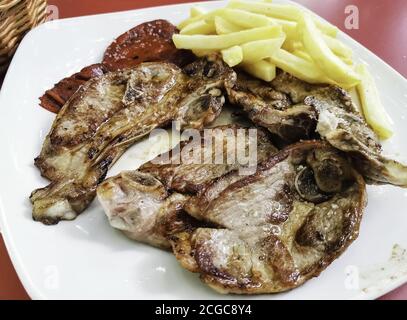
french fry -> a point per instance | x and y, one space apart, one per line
373 110
232 56
281 11
325 27
261 69
348 61
223 26
199 27
315 45
338 47
220 42
302 54
292 45
260 34
289 27
301 68
209 16
196 12
246 19
258 50
297 48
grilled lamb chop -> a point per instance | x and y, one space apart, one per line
191 175
147 204
293 109
262 233
278 228
111 112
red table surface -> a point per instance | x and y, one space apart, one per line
382 25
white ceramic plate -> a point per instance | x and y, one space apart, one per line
86 258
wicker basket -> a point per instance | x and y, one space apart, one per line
16 18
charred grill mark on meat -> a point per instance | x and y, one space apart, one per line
140 202
249 251
293 110
262 233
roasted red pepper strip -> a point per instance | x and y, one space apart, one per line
149 41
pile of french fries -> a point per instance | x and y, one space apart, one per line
260 36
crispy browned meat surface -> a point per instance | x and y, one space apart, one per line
279 227
293 109
108 114
147 204
191 175
147 42
263 233
266 232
